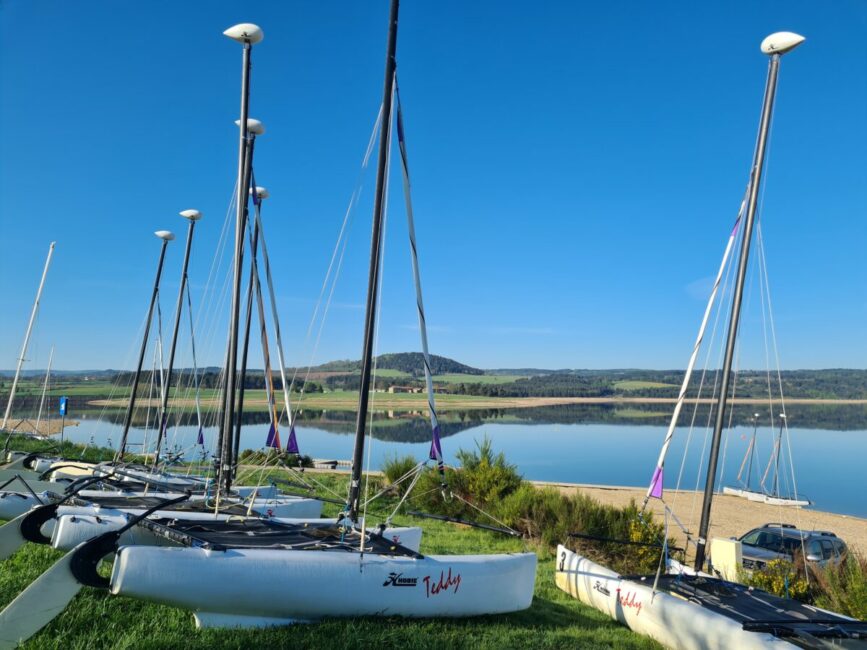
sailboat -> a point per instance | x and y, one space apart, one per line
773 496
325 569
687 608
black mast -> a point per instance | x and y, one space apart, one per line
768 46
127 419
373 279
248 316
246 34
192 216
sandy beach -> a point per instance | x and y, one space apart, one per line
731 516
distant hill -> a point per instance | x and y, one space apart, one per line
411 363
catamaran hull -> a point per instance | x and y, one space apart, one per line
672 621
13 504
255 588
759 497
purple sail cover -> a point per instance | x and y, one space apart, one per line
273 437
200 440
656 484
436 450
292 444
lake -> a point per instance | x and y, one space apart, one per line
603 445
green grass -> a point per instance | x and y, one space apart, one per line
629 385
456 378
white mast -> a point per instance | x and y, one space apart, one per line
44 390
27 336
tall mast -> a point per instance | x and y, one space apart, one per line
254 128
247 34
166 236
192 216
775 46
291 442
373 278
23 354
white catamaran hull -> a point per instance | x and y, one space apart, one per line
256 588
13 503
672 621
760 497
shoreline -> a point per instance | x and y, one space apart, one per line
451 402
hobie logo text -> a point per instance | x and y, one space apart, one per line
397 580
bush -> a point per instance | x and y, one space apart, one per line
488 482
256 457
781 578
395 468
843 588
482 482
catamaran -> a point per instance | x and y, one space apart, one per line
688 608
772 496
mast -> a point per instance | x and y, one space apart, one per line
373 279
291 443
254 128
779 453
166 236
751 452
42 398
247 34
27 336
192 216
774 46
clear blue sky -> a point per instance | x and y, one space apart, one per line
576 169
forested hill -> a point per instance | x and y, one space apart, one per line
411 363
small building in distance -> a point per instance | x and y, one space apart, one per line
404 389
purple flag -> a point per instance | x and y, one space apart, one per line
273 437
436 451
200 440
292 443
656 484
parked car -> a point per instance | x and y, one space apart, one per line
775 541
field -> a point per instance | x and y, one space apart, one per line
96 620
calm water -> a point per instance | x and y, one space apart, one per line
589 445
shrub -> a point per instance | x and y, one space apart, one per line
488 482
256 457
483 480
781 578
395 468
843 588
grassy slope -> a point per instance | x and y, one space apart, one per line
96 620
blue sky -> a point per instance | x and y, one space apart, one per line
576 170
